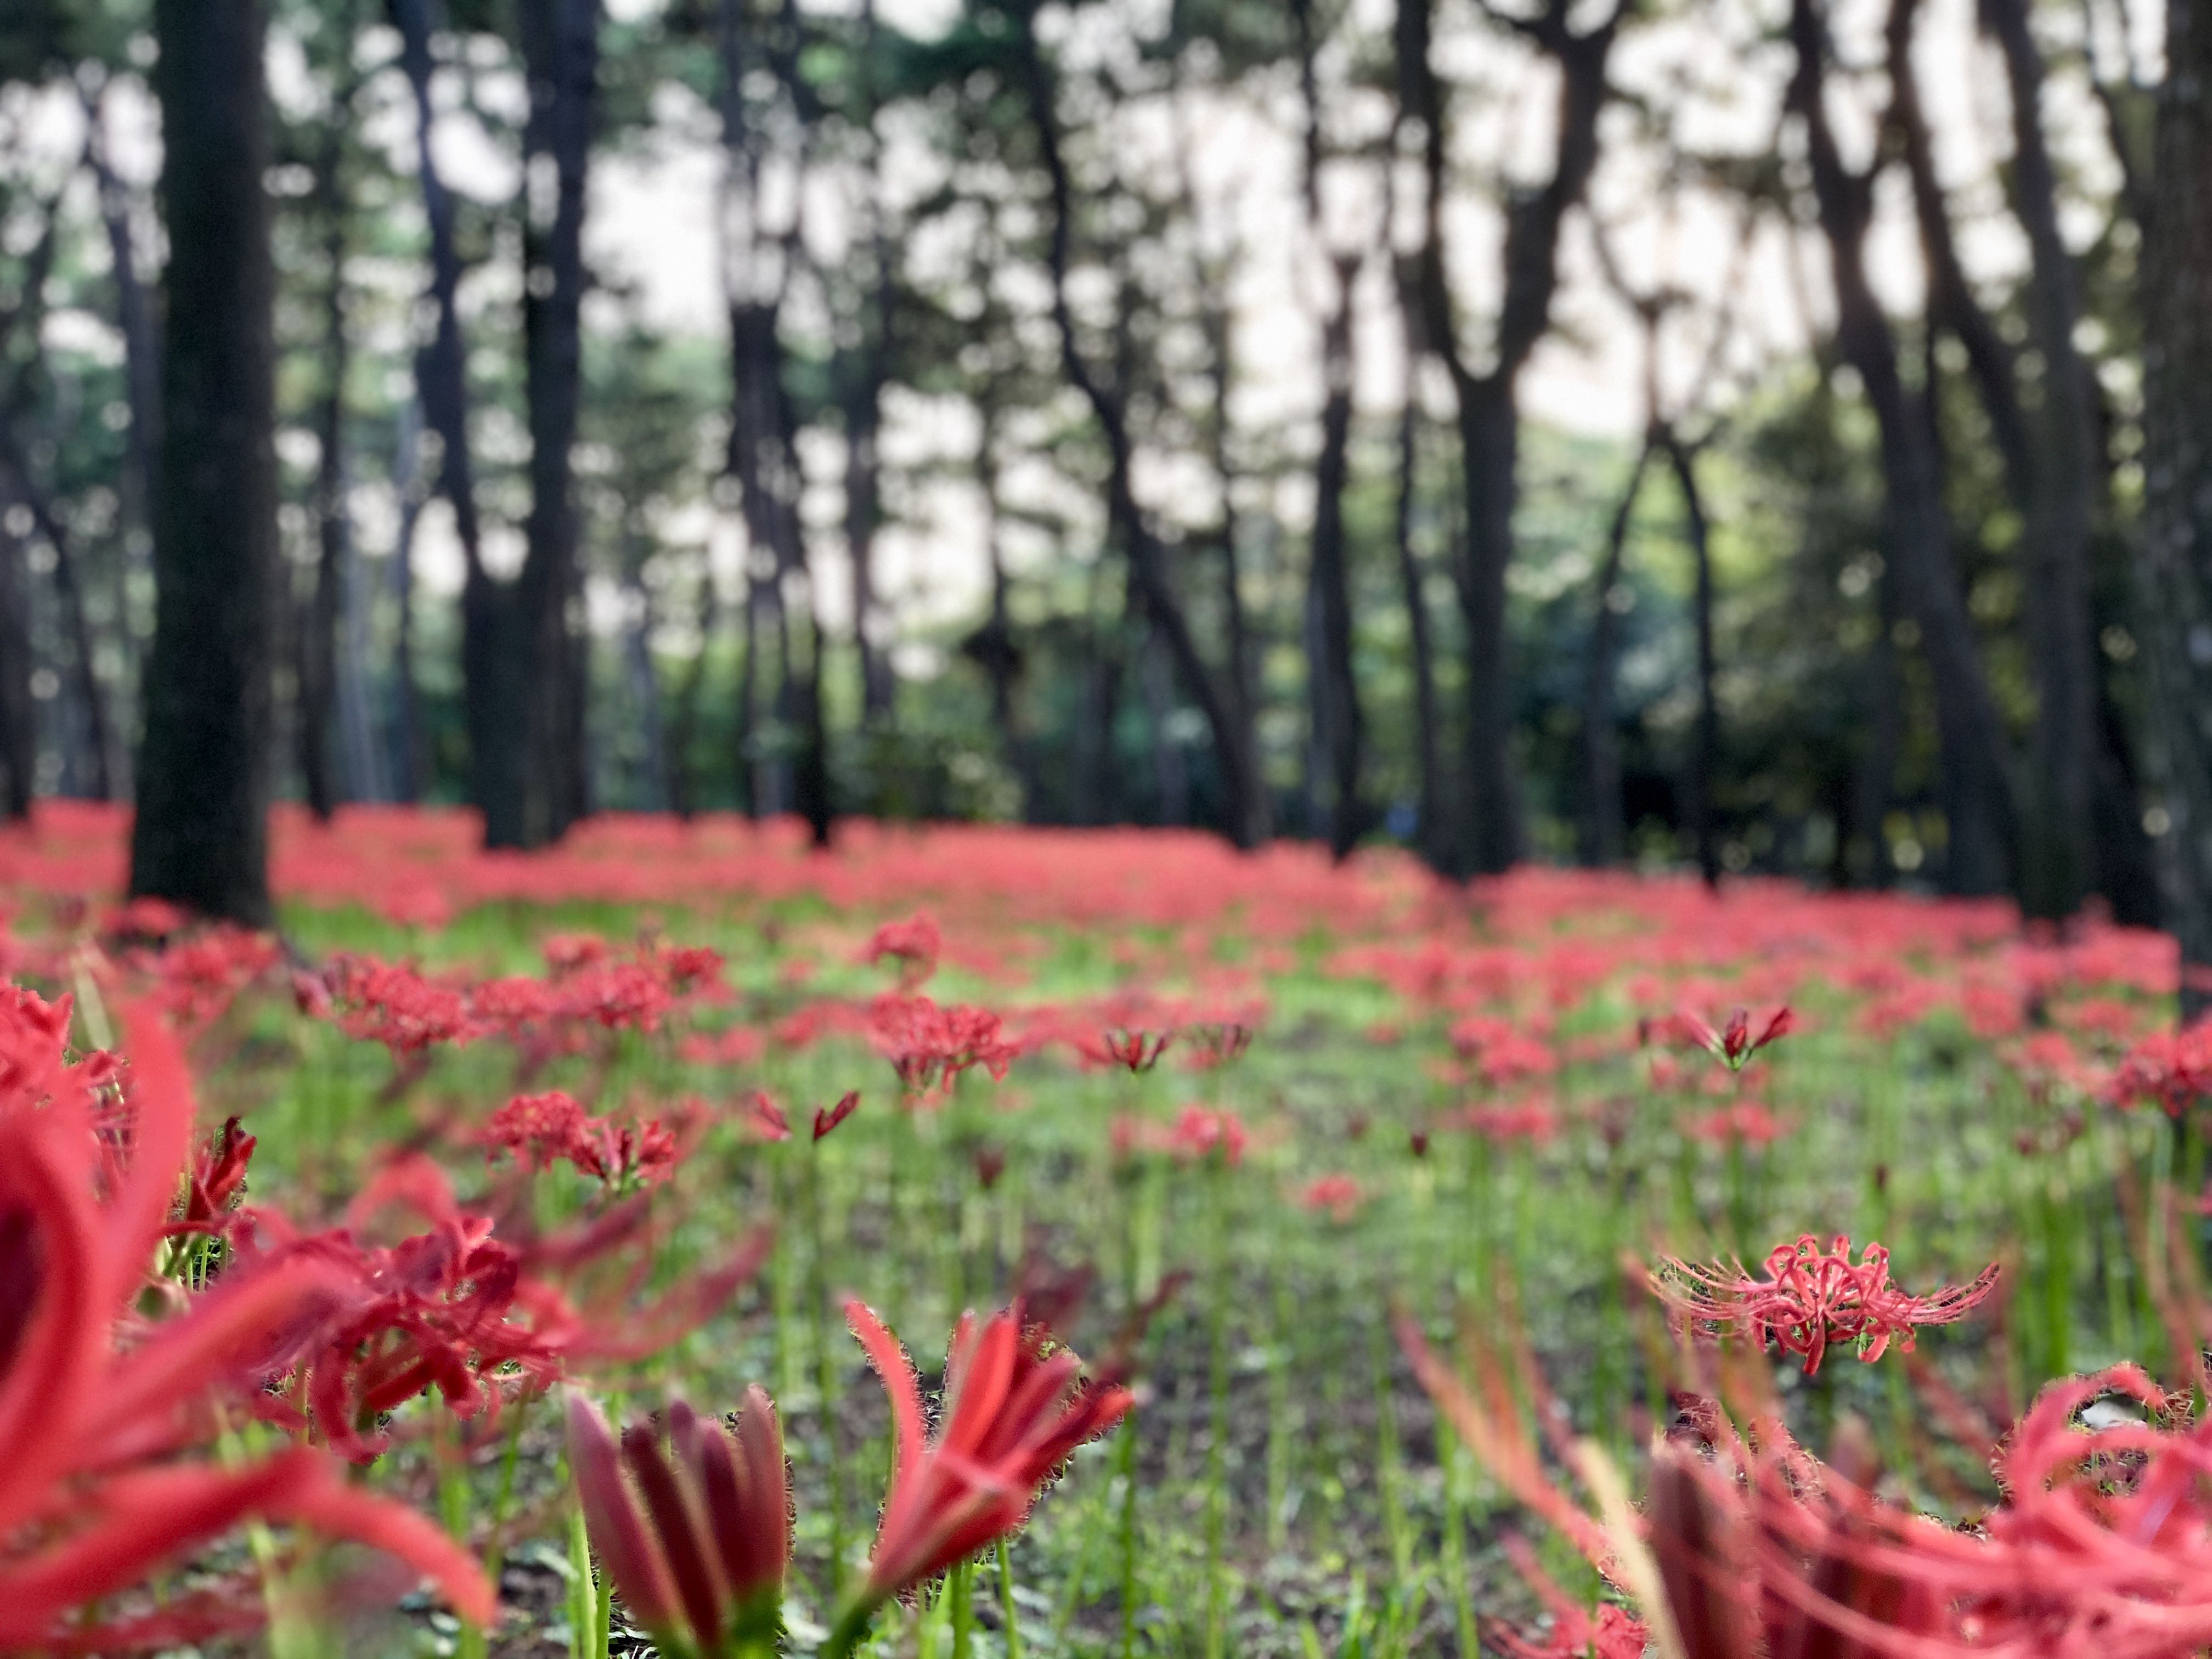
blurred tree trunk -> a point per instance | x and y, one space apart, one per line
404 724
2058 864
1412 582
491 688
1602 835
200 837
1339 733
2175 559
560 53
1975 792
863 410
993 647
1704 750
684 724
19 727
1230 725
1489 415
318 638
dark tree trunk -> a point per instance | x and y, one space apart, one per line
1235 747
1976 796
1489 417
1412 580
404 732
560 52
1704 751
318 628
1339 730
200 838
2175 558
19 730
491 686
2058 865
1602 836
684 724
1874 779
992 646
863 513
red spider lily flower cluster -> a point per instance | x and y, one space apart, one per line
1734 1044
216 1180
827 1118
101 1410
1502 1052
1531 1120
1339 1196
1133 1048
1810 1297
386 1002
2171 1070
913 944
1206 1134
698 1538
1213 1043
1016 1406
930 1046
541 1130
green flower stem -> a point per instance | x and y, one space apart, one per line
1006 1602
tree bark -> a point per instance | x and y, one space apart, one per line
318 628
560 52
1412 582
200 838
2175 557
1339 729
1704 751
19 731
1236 749
404 719
1976 801
2059 849
1489 416
491 686
1602 835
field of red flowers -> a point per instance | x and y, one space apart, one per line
984 1241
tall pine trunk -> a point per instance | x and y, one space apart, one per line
560 52
1602 835
201 835
2175 558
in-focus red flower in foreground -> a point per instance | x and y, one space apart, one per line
1810 1297
101 1410
1016 1406
696 1542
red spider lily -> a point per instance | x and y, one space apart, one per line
929 1046
540 1130
763 1119
391 1004
1811 1297
1214 1044
1417 1142
453 1309
1340 1195
990 1164
913 944
98 1488
1133 1048
827 1118
1605 1632
1204 1133
1733 1043
1532 1121
701 1565
1016 1406
217 1177
2171 1070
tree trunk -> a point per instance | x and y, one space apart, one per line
1340 732
19 730
560 52
319 627
2175 559
491 684
683 727
200 838
1235 747
1704 751
1489 417
1411 580
404 724
1602 836
1977 803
